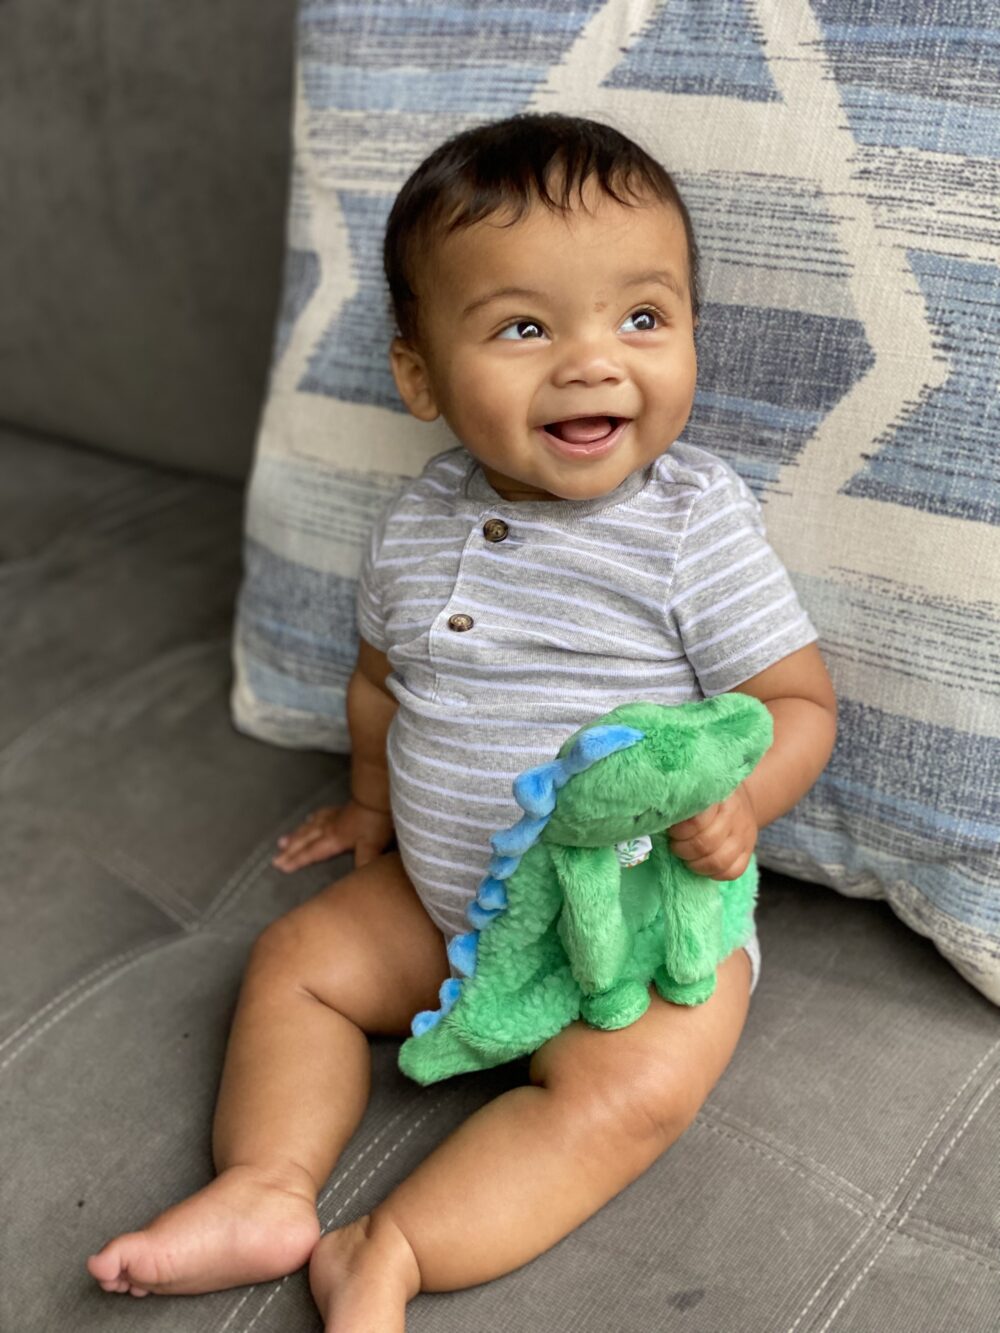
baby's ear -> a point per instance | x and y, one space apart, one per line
409 370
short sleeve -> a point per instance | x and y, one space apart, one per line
732 602
370 608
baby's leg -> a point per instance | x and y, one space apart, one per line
528 1168
361 957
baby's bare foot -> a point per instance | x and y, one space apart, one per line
362 1277
247 1226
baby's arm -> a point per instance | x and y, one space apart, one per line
365 823
370 710
799 696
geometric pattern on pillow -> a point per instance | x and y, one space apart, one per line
841 162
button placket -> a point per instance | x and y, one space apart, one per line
492 530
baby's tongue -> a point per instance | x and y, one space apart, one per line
584 430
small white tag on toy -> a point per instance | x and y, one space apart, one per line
634 851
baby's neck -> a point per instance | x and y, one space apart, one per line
515 497
513 491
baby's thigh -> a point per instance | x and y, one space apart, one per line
653 1076
364 946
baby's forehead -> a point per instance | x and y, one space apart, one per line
622 240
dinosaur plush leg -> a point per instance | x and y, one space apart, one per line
592 925
692 930
678 992
617 1007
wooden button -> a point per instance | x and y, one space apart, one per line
461 622
495 530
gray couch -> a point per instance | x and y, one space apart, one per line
844 1174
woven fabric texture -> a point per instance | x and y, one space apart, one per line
840 160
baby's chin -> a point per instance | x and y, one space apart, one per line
554 479
593 482
572 488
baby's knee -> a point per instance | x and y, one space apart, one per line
280 946
625 1109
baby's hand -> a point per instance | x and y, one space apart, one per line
334 829
720 841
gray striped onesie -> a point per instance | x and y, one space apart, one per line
510 625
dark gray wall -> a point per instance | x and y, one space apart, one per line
144 160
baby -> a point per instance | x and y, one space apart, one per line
569 556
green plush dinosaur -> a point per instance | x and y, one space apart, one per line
584 904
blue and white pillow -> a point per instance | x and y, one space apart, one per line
840 161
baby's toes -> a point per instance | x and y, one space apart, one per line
116 1284
121 1285
106 1267
125 1265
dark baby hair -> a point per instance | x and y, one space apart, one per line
505 167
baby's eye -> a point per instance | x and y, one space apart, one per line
522 330
641 321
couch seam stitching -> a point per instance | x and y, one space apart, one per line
357 1189
934 1242
149 893
858 1240
255 860
794 1168
351 1167
123 963
887 1215
937 1231
737 1125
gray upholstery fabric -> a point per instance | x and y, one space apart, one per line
843 1175
144 155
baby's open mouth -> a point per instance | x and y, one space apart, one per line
584 430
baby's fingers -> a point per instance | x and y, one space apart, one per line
305 848
700 836
689 829
728 863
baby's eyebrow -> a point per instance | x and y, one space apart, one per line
662 276
523 293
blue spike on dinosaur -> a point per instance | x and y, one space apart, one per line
535 789
425 1020
598 743
462 952
516 840
492 894
447 997
478 917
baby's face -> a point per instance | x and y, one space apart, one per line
559 349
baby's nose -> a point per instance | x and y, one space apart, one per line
589 363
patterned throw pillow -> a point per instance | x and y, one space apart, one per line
840 160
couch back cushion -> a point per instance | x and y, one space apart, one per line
144 160
840 162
